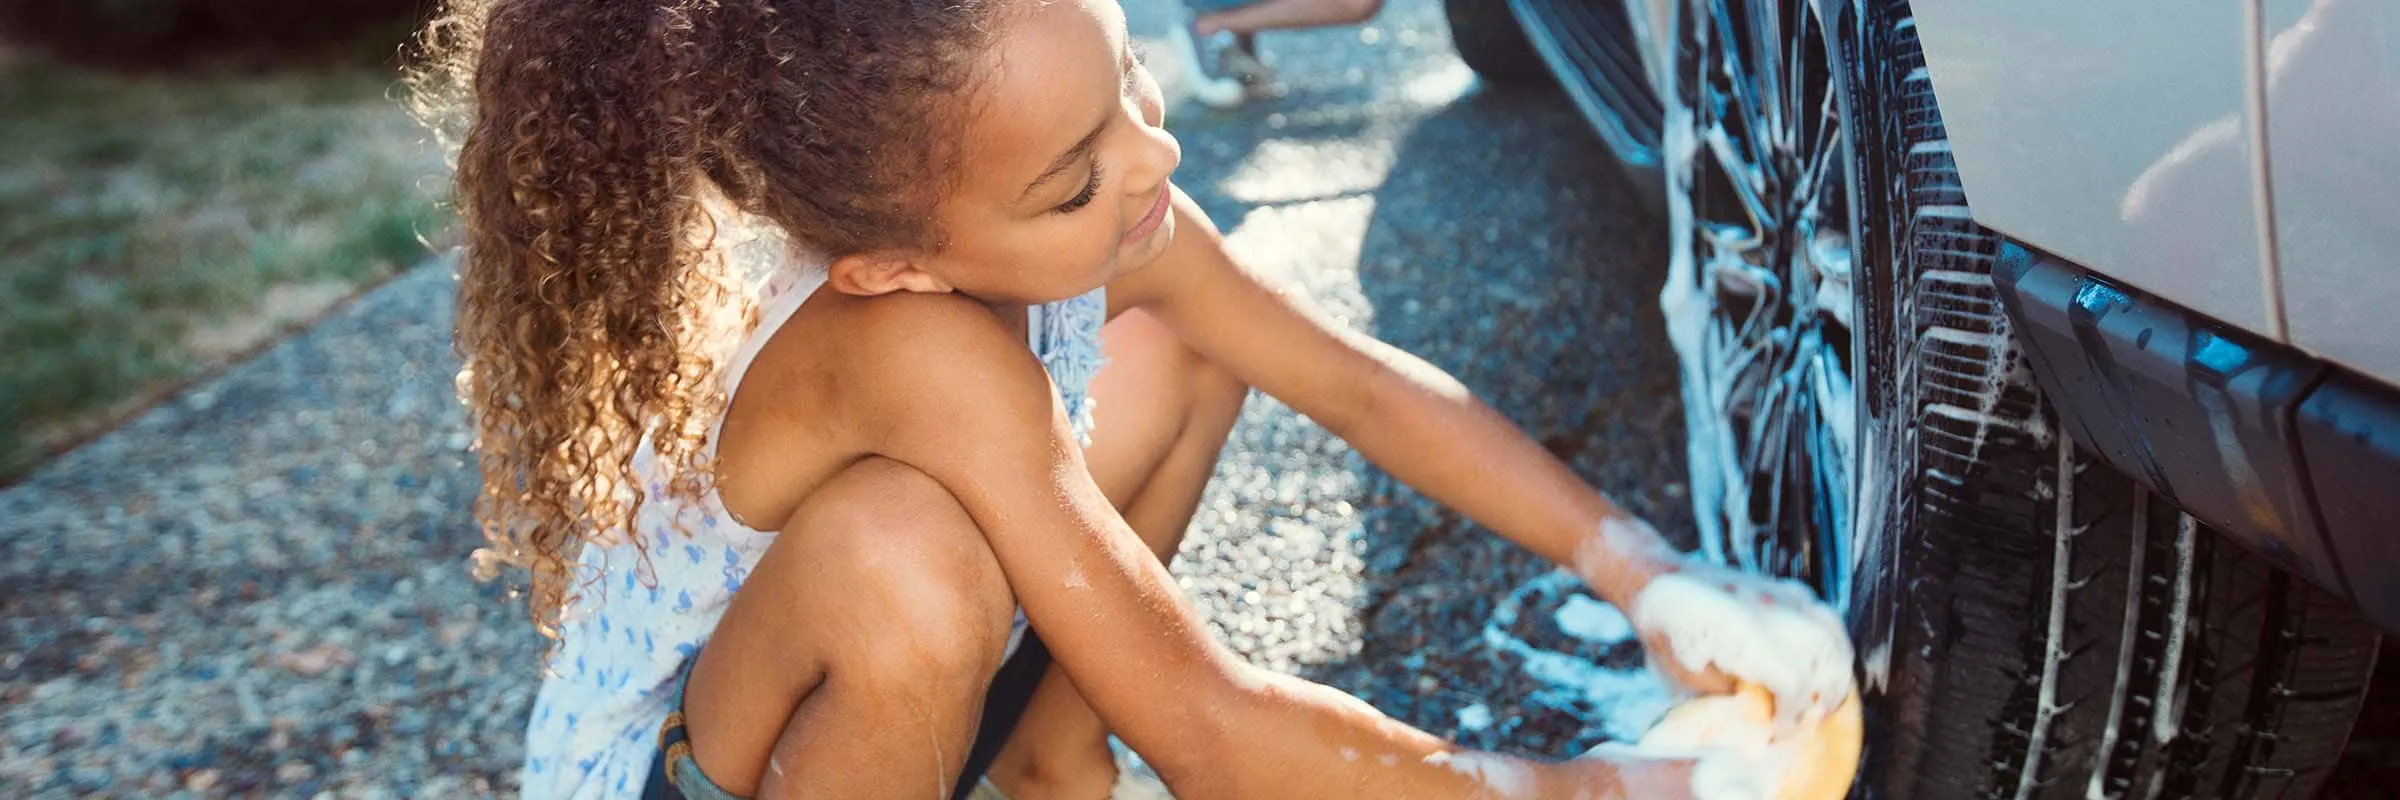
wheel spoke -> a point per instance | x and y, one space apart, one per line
1795 63
1837 446
1742 93
1820 158
1770 401
1766 67
1748 182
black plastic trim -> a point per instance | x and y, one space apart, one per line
2296 458
2350 440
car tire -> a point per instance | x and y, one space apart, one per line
2031 622
2056 630
1492 42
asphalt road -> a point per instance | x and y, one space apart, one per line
260 585
1491 233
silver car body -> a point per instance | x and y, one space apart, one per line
2239 157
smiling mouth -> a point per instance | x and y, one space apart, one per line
1150 221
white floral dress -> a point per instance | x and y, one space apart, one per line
595 722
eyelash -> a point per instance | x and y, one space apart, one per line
1083 198
1091 188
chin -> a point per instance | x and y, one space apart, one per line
1133 259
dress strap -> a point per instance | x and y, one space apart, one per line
1065 335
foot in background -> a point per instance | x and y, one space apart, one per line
1221 66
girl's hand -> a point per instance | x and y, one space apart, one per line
1740 755
1706 626
1618 769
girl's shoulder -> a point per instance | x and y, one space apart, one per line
860 362
908 338
847 377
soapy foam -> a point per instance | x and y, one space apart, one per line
1738 753
1773 634
1593 621
2168 707
2046 705
1717 773
1734 775
1725 776
1503 777
1621 701
1685 305
2127 636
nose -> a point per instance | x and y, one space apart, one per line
1158 151
1156 156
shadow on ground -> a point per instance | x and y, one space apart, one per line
1557 326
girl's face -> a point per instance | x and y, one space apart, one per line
1064 167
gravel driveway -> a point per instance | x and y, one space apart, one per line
260 586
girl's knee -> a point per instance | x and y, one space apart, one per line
1212 394
907 567
1137 334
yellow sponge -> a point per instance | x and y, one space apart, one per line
1817 761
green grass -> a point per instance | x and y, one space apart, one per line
152 228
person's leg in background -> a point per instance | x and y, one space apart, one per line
1219 46
1161 417
1268 15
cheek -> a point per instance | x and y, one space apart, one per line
1073 255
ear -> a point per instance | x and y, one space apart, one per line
882 272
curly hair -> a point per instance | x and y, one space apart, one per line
602 146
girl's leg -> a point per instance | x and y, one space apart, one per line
853 662
1162 416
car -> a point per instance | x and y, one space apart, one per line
2057 344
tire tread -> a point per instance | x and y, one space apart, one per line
2270 672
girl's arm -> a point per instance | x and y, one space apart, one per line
964 402
1426 429
1405 415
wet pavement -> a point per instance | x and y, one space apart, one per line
260 586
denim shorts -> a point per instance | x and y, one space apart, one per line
675 775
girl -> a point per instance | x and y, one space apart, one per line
780 512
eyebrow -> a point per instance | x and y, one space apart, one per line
1066 160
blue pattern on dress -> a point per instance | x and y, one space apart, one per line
1066 335
632 687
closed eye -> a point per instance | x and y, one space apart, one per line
1091 189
